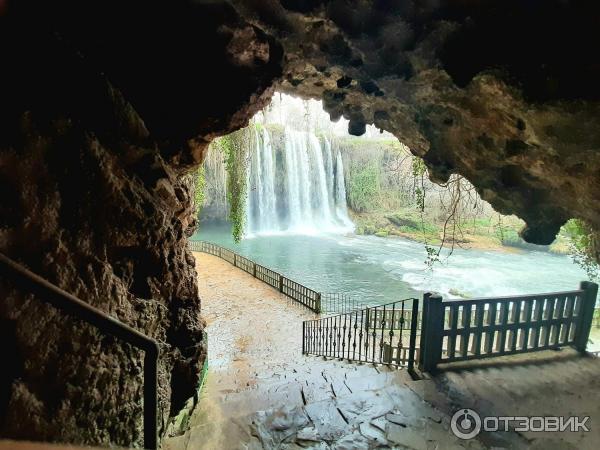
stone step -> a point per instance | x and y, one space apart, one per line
309 388
384 409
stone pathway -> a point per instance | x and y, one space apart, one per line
548 383
262 393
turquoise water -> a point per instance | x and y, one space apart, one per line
378 270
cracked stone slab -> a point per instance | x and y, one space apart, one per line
274 427
373 434
353 441
327 419
316 389
250 401
365 406
338 384
380 423
308 434
376 381
406 420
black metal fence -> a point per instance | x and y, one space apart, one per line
324 303
459 330
450 330
294 290
340 303
384 334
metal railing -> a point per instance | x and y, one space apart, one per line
48 292
324 303
340 303
384 334
459 330
294 290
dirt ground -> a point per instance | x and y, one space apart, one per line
262 324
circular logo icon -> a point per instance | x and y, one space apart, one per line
465 424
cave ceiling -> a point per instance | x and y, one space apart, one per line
503 92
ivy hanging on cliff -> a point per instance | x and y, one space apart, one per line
233 148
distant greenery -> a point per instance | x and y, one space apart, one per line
363 187
390 194
583 247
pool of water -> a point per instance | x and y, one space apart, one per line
379 270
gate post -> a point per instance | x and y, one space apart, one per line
304 338
318 303
590 290
414 322
431 332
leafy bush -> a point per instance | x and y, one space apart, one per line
363 188
583 246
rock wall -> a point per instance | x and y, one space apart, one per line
95 198
103 216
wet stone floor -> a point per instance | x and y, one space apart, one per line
262 393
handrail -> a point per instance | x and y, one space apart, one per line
72 305
510 298
461 330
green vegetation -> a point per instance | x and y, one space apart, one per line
363 187
409 222
583 246
199 189
389 194
233 147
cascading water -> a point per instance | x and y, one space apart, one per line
340 192
295 188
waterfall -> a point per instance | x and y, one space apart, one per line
295 188
340 192
269 212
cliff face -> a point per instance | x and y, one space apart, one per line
106 105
